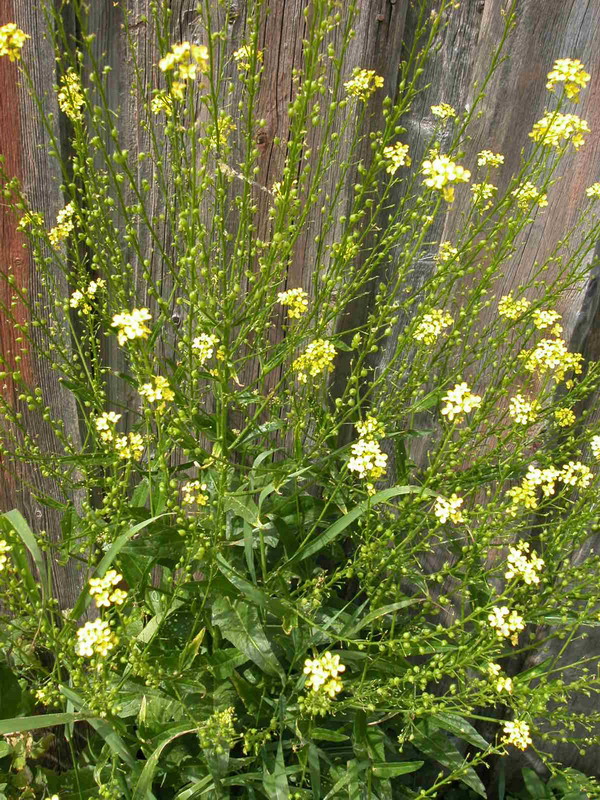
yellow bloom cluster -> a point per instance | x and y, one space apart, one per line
572 474
317 357
483 193
132 325
243 57
552 355
185 59
370 428
104 592
12 40
449 508
459 401
593 191
502 683
441 172
157 390
33 219
95 638
547 319
518 734
193 492
564 417
363 83
576 474
555 127
569 71
397 156
443 111
4 549
162 101
446 252
79 299
595 445
131 446
64 225
431 325
528 193
367 459
506 623
323 674
512 309
296 300
205 345
105 425
523 411
519 565
488 159
70 96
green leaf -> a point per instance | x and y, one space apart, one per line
535 786
22 529
20 724
246 509
341 524
387 770
380 612
239 623
455 724
436 745
143 786
328 736
276 783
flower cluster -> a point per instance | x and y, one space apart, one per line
104 592
217 733
131 446
576 474
523 411
547 319
4 549
70 96
370 428
95 638
431 325
512 309
204 345
12 40
519 565
397 156
105 425
564 417
296 301
595 446
79 299
502 682
157 390
317 357
572 474
488 159
243 57
33 219
446 252
363 83
459 401
528 194
441 172
443 111
518 734
367 460
506 623
185 59
449 508
593 191
194 492
64 225
132 325
571 73
552 355
483 194
323 674
555 127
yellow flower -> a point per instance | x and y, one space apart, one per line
571 73
4 549
363 83
323 674
506 623
162 101
459 401
105 425
488 159
511 308
64 225
243 57
194 492
79 299
33 219
104 591
367 460
504 684
482 194
446 252
431 325
552 355
564 417
528 194
185 59
518 734
443 111
576 474
518 565
449 508
317 358
131 446
296 300
370 428
12 40
521 410
595 445
70 96
132 325
593 191
546 319
397 156
157 390
554 127
95 638
205 345
441 172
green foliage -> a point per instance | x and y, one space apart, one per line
265 610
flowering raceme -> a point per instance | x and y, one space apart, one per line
12 40
104 590
441 172
523 411
512 309
443 111
64 225
363 83
555 127
323 674
296 301
70 96
132 325
571 73
518 734
204 345
431 326
317 358
459 401
185 60
95 638
488 159
449 508
507 624
520 566
397 156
